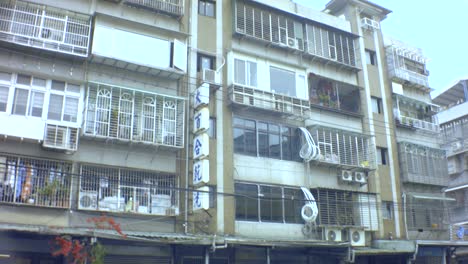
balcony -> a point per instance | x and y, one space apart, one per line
428 213
292 33
415 114
35 182
454 136
404 75
170 7
415 123
268 101
61 137
334 96
343 149
421 164
129 115
120 190
45 27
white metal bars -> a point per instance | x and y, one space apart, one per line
345 208
61 137
421 164
45 27
131 115
400 58
126 190
340 147
171 7
454 136
37 182
282 30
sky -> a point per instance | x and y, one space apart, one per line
438 28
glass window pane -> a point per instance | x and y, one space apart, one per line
71 109
55 107
286 147
271 204
210 9
252 80
5 76
293 202
58 85
20 102
274 146
206 63
262 126
39 82
263 144
3 98
239 138
24 79
246 202
73 88
36 104
250 124
201 7
282 81
251 142
238 122
239 71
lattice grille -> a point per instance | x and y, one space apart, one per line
45 27
344 148
126 114
173 7
37 182
126 190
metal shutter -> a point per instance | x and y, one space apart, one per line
118 259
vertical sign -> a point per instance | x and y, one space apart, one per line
201 198
201 96
201 171
201 120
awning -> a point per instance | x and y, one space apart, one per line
417 196
456 188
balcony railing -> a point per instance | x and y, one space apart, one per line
417 124
136 116
45 27
61 137
124 190
35 182
427 214
245 96
413 77
343 148
421 164
171 7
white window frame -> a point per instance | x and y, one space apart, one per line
250 81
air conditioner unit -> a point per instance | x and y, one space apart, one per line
332 234
211 76
59 137
360 177
87 200
368 23
293 43
346 175
357 237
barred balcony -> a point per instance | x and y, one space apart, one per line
268 101
45 27
415 123
35 182
421 164
170 7
134 116
127 191
402 75
454 136
428 213
61 137
344 149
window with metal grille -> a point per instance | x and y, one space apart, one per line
171 7
426 214
423 164
128 114
263 139
45 27
266 203
346 208
127 190
32 181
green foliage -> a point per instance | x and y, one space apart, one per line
98 253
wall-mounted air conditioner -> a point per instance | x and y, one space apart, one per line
332 234
60 137
293 43
211 76
87 200
357 237
360 177
368 23
346 176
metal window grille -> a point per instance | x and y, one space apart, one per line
344 148
421 164
45 27
131 115
171 7
61 137
426 214
345 208
454 135
127 190
37 182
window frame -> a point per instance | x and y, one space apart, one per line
211 59
382 156
250 80
371 57
376 104
387 210
203 8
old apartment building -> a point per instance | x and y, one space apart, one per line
227 131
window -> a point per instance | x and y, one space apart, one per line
371 57
264 139
376 105
268 203
205 62
387 210
212 129
245 72
382 156
63 103
282 81
206 8
3 98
